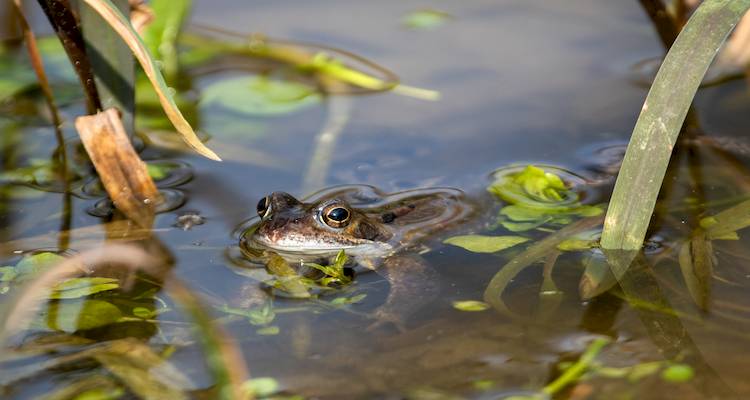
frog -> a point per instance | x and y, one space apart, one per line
378 231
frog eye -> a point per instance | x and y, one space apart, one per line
264 207
336 216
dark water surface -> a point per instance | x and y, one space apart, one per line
521 82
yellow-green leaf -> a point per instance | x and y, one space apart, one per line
485 244
122 26
470 305
82 287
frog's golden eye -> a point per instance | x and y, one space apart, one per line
264 207
336 216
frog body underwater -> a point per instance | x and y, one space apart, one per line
374 229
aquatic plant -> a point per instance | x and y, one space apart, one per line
661 119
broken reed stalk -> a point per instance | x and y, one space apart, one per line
662 115
123 174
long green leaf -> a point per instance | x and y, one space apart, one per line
661 118
117 21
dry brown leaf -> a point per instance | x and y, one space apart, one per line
122 172
123 28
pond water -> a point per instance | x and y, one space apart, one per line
521 82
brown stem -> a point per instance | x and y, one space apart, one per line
62 19
666 26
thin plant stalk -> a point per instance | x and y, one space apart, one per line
339 110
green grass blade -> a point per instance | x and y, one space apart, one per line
661 118
122 26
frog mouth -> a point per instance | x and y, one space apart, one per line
297 247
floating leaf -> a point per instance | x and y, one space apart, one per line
678 373
426 19
7 274
537 197
31 265
268 330
485 244
470 305
259 95
348 300
261 387
71 316
82 287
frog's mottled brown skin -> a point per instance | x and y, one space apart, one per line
378 229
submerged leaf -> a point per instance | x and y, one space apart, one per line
678 373
485 244
470 305
261 387
82 287
696 264
71 316
268 330
426 19
259 95
145 373
33 264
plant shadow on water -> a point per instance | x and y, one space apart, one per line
527 305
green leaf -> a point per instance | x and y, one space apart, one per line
536 198
662 115
640 371
343 300
143 312
259 95
334 272
577 244
159 171
100 394
33 264
426 19
268 330
261 387
82 287
485 244
71 316
162 33
470 305
7 274
678 373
